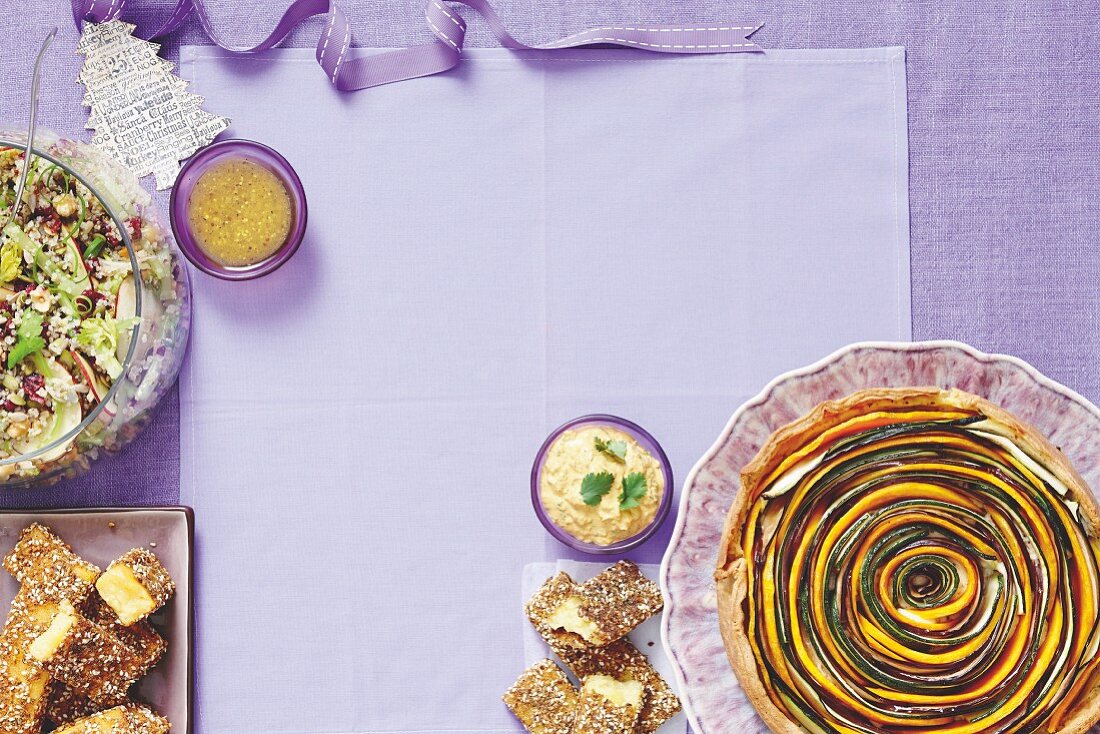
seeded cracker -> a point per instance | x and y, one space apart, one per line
623 661
596 613
608 706
618 600
550 597
131 719
543 699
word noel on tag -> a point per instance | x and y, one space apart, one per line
141 112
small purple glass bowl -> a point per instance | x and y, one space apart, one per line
193 169
646 441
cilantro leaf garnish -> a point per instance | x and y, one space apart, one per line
615 449
595 486
633 490
30 339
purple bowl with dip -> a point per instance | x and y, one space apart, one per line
646 441
200 164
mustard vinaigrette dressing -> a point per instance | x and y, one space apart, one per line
240 212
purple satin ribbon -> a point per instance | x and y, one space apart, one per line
348 73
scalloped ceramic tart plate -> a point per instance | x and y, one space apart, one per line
924 560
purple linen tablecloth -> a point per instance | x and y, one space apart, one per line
1004 118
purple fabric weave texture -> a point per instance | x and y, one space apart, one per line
1003 181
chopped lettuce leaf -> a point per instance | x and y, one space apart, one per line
11 261
99 338
28 247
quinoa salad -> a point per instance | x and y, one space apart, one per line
68 310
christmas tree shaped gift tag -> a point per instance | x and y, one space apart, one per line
141 112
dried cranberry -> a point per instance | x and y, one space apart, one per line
94 295
32 386
112 238
135 227
9 405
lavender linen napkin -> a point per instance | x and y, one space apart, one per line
492 252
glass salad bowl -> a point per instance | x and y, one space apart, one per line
95 310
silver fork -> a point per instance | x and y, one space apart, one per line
30 131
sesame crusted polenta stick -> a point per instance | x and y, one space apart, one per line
91 660
49 572
135 586
596 613
64 704
22 681
146 643
543 699
608 706
623 661
22 688
49 567
28 615
130 719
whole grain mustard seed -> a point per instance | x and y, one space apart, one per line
240 212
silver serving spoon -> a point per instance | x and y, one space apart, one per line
30 131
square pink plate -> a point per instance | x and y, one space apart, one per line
167 531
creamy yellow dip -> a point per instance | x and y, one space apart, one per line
572 456
240 212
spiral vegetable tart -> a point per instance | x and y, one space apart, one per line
913 560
